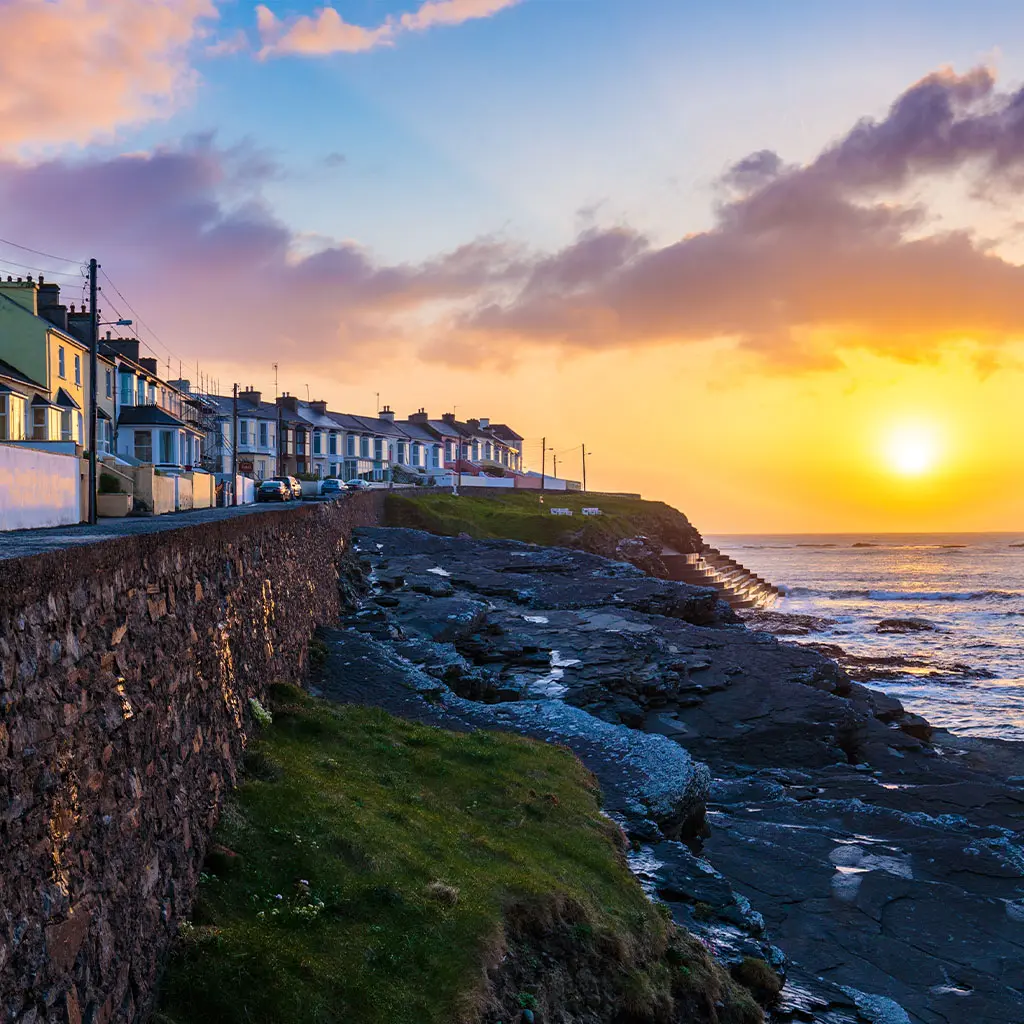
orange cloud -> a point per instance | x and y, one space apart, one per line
326 32
73 70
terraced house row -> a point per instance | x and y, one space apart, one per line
167 445
295 437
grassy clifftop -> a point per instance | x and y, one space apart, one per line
520 515
374 870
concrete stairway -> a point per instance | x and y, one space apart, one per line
710 568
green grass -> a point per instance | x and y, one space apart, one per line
416 844
521 516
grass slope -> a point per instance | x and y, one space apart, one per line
373 863
521 516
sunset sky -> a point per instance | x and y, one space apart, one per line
765 259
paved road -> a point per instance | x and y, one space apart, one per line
19 543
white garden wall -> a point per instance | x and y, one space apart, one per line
37 488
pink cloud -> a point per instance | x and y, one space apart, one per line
326 32
186 236
76 69
802 258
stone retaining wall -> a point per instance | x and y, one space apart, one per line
126 669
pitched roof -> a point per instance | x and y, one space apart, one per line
13 373
148 415
504 432
65 401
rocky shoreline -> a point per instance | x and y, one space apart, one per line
779 808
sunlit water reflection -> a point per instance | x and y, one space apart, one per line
969 586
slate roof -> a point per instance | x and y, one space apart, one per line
504 432
148 415
13 373
65 401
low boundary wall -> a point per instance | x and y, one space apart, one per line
126 669
38 488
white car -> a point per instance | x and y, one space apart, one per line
357 485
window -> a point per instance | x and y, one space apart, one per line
378 449
141 392
110 384
144 445
364 447
350 445
300 442
152 394
243 433
261 465
81 430
12 418
318 442
40 431
435 457
66 430
166 446
127 388
60 362
78 370
332 443
264 438
401 453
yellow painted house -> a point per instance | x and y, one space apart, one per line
51 402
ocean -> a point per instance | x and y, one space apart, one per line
960 662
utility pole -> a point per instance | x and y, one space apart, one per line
555 457
543 462
94 341
583 453
234 445
276 392
280 440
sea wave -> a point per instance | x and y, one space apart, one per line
904 595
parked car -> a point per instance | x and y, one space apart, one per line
273 490
331 487
292 484
357 485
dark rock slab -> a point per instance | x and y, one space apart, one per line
877 863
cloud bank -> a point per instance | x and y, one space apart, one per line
326 32
73 70
805 258
802 259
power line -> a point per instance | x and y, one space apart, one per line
39 252
42 270
139 320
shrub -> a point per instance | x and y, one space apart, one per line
109 484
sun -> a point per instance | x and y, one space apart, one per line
911 450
